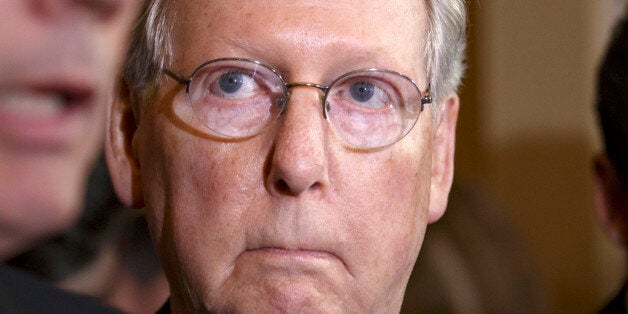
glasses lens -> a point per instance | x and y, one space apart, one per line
374 108
236 98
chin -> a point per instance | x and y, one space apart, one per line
280 305
280 295
42 216
39 206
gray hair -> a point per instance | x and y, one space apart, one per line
151 48
445 47
149 52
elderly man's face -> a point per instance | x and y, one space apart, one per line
289 220
58 60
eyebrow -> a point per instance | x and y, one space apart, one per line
242 43
373 57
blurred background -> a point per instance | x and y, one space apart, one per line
527 134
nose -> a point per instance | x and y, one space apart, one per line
299 156
62 9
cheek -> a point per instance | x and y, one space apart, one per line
388 195
196 193
386 189
184 178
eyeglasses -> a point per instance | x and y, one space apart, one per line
238 98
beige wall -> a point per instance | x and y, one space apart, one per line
527 134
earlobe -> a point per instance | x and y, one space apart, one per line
608 199
123 165
443 147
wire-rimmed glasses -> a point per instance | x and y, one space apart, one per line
238 98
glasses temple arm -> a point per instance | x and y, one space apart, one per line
427 99
178 78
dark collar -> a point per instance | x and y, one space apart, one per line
165 309
618 303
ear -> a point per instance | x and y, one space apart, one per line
443 146
123 165
609 202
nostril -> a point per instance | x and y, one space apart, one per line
103 10
282 187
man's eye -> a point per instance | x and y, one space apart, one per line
366 94
234 85
230 82
362 91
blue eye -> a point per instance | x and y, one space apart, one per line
230 82
362 91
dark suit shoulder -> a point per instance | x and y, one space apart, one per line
22 293
618 304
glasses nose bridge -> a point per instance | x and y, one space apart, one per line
322 88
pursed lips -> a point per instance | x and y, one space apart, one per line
296 258
294 252
286 252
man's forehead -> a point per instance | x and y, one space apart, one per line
415 5
364 28
340 5
261 13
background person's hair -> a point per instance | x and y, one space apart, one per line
151 49
612 100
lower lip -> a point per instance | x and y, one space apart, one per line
279 262
297 254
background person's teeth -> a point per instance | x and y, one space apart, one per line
36 104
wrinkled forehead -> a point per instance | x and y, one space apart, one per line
378 33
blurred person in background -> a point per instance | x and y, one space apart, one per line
58 61
107 254
473 261
611 165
